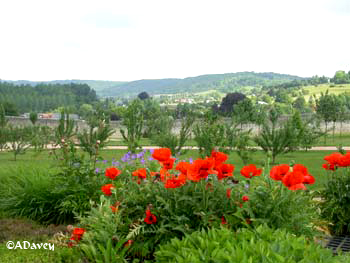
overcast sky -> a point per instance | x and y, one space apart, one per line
148 39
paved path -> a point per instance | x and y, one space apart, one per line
316 148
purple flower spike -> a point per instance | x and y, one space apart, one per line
191 160
151 151
105 161
142 161
150 159
134 156
97 170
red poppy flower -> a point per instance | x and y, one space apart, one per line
228 192
328 166
112 172
250 171
162 154
308 178
277 172
140 173
106 189
294 180
223 220
77 234
115 207
168 164
175 182
225 170
200 169
245 198
219 157
150 218
334 159
182 167
345 160
128 243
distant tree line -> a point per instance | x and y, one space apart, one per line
44 97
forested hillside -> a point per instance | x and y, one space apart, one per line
222 82
45 97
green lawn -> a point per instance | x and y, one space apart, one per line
343 139
31 161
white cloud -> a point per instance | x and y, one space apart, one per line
128 40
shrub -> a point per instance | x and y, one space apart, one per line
260 245
335 196
133 121
50 198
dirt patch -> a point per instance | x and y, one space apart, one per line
24 229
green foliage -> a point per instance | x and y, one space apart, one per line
33 117
166 137
41 137
65 129
101 243
133 121
50 197
335 204
209 134
178 211
260 245
44 97
3 132
274 139
271 203
18 139
221 82
94 139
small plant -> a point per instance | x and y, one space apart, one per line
33 117
3 132
260 245
210 134
133 121
94 139
166 137
274 139
335 204
18 139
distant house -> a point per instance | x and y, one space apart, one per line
56 116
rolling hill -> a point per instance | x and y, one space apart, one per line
222 82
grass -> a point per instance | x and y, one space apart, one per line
30 161
343 139
317 90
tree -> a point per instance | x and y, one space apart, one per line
19 139
300 104
133 121
227 103
274 138
243 112
327 106
341 77
33 117
143 95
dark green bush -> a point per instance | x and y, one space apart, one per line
260 245
273 204
335 204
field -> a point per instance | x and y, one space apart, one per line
332 89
